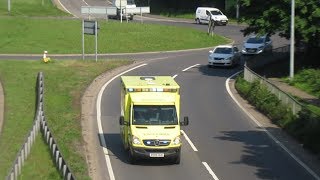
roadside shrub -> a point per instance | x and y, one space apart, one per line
242 86
305 127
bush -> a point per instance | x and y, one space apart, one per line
305 127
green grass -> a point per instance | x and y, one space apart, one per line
178 15
40 160
65 81
30 8
25 35
308 80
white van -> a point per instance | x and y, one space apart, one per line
203 16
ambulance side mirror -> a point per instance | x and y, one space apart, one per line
121 120
185 121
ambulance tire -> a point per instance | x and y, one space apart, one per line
131 158
176 159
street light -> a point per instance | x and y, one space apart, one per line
292 41
237 7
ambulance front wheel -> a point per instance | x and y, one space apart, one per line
176 159
131 157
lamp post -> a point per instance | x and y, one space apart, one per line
292 41
237 7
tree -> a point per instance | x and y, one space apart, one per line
273 16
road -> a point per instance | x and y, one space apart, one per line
221 142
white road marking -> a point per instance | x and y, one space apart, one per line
98 106
186 69
210 171
268 133
174 76
66 8
184 134
189 141
85 2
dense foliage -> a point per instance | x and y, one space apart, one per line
157 6
274 16
305 127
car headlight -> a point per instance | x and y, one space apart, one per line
229 58
135 140
260 47
177 140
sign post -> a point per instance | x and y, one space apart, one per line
90 28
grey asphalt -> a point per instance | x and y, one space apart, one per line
227 139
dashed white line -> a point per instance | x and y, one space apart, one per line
210 171
190 142
98 106
267 132
85 2
174 76
186 69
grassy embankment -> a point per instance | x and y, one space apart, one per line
65 81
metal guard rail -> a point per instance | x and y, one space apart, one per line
39 121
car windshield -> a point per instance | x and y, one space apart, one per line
255 40
216 13
223 50
154 115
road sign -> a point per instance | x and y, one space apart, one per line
138 10
98 10
89 27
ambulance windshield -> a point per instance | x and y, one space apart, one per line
154 115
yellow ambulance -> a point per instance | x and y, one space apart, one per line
150 118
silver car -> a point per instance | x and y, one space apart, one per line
224 55
257 44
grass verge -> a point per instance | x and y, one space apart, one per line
64 81
64 36
30 8
39 164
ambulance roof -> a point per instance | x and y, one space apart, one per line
149 81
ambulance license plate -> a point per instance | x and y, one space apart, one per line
156 154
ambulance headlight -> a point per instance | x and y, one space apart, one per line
135 140
177 140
